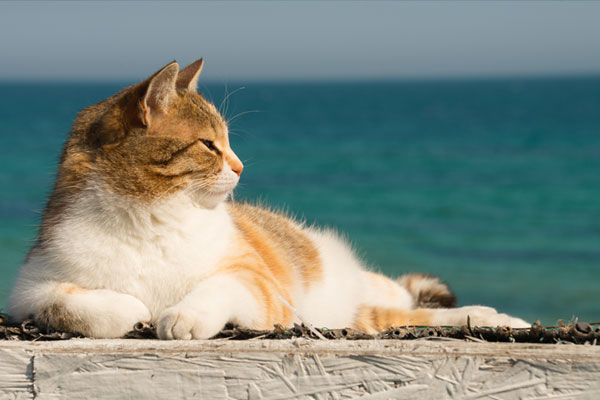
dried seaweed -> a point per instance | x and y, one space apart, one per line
573 333
28 330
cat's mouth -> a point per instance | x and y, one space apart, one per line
226 181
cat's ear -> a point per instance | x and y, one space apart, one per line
160 90
188 77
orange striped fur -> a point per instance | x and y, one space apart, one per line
376 319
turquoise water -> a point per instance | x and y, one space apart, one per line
493 185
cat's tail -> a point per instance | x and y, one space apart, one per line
428 291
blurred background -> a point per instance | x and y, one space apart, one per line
456 138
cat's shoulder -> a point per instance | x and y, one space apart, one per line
277 222
260 212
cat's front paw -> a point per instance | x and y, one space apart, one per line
132 310
477 316
186 323
100 313
486 316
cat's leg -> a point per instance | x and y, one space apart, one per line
373 319
99 313
247 299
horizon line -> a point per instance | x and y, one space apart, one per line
320 80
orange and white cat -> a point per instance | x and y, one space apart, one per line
138 229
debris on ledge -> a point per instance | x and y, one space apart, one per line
439 363
572 333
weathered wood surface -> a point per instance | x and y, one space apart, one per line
296 369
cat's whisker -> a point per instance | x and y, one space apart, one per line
220 108
199 186
194 185
226 99
230 120
166 192
243 133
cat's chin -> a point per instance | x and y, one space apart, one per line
209 200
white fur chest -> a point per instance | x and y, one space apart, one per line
157 253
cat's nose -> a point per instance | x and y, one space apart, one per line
238 169
234 162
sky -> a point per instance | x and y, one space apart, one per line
244 41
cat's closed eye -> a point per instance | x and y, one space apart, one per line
210 145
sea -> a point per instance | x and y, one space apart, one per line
491 184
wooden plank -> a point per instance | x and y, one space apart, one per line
297 369
15 374
124 376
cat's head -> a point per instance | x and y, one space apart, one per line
154 139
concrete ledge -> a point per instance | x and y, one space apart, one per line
296 369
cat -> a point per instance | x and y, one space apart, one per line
139 228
